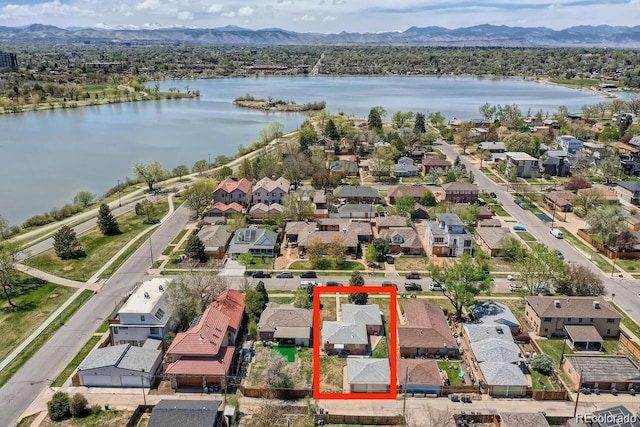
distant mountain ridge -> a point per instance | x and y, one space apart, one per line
479 35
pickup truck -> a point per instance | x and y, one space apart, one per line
412 286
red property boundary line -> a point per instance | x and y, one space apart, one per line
393 348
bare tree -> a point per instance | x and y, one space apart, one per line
430 418
204 285
8 274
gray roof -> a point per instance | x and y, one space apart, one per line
102 357
605 368
450 219
252 238
519 419
477 333
572 307
170 413
610 417
124 356
494 313
357 208
214 236
583 333
349 191
343 166
630 185
390 221
406 237
281 315
492 145
496 373
139 359
495 350
368 371
493 236
344 333
364 314
405 168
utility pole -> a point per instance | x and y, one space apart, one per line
209 164
151 249
406 384
119 200
575 409
613 267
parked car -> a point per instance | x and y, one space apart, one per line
435 286
512 277
560 256
412 275
308 274
388 283
515 287
389 259
519 227
333 283
522 205
556 233
412 286
493 195
261 275
308 283
284 275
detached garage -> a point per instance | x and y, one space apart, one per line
121 366
368 375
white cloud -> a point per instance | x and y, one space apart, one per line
306 18
245 11
185 15
230 14
215 8
328 18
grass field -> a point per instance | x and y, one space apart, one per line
452 368
344 266
553 347
36 300
382 349
99 248
331 369
526 236
411 263
98 419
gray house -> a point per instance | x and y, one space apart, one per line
285 324
405 170
555 163
368 375
216 239
346 167
357 194
201 413
258 242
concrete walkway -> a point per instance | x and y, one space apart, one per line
49 277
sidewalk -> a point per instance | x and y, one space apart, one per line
50 277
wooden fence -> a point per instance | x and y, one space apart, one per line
360 419
549 395
274 393
626 342
459 389
609 253
137 414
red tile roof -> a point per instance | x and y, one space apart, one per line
224 207
203 366
229 185
231 303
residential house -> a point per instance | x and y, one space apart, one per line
145 314
492 239
203 355
493 222
269 191
121 365
559 200
329 145
635 141
405 168
460 192
555 163
584 337
230 191
286 325
264 211
182 412
415 191
418 153
493 313
344 167
425 332
351 233
386 222
548 316
632 218
625 149
351 333
357 194
446 236
258 242
403 240
368 375
420 212
216 240
602 372
526 165
355 210
224 210
492 147
420 375
484 213
569 143
607 418
606 192
629 191
520 419
430 163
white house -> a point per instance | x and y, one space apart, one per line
446 236
569 143
269 191
146 314
526 165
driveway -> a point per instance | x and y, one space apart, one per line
232 268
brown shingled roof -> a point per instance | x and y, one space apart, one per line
572 307
426 326
420 371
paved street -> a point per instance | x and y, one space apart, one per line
627 291
55 354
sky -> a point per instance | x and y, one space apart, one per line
324 16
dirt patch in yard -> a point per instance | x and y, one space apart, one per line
67 268
99 419
53 296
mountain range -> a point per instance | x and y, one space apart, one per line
480 35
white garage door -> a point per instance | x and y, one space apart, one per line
95 380
132 381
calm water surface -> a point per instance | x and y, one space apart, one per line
47 157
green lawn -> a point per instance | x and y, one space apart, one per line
516 306
84 351
627 321
345 265
542 382
126 254
629 265
553 347
500 265
526 236
36 300
452 368
596 258
99 248
382 349
281 300
575 82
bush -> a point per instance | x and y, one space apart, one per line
58 406
96 409
542 363
78 405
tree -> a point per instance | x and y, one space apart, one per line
8 275
379 248
463 136
150 173
301 299
263 291
195 248
337 249
254 303
512 250
180 171
610 169
582 281
245 259
224 172
586 200
419 126
199 195
296 167
84 199
273 131
633 103
577 183
375 118
428 199
297 207
436 119
331 131
5 229
78 405
400 119
462 282
487 111
58 406
66 244
625 241
541 268
542 363
404 205
106 221
359 298
325 180
381 161
604 221
200 166
521 142
148 209
236 221
307 136
184 304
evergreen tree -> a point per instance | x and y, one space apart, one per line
66 244
359 298
195 248
331 131
375 119
419 125
106 222
263 291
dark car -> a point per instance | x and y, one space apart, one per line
333 283
284 275
389 259
522 205
308 275
261 275
493 195
559 254
388 283
412 286
412 275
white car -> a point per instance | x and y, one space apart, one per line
515 288
511 277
